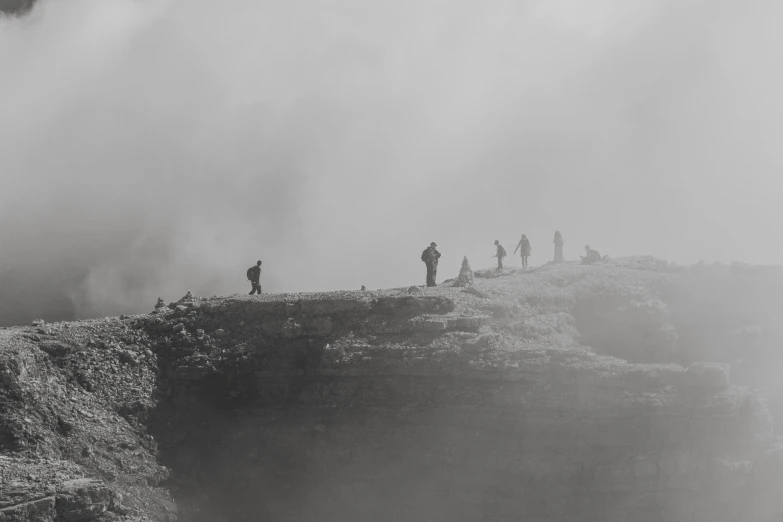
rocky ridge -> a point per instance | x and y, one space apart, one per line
510 397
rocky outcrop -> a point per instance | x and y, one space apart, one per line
560 393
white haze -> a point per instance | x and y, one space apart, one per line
148 147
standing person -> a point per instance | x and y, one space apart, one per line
254 275
524 249
501 253
430 257
558 247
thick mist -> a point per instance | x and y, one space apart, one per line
151 147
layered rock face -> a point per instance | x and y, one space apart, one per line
507 401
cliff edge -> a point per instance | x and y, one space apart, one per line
631 390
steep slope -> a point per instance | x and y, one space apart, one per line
562 393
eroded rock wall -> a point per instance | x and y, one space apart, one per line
501 401
395 413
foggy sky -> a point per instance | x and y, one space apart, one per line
152 147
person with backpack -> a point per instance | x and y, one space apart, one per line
430 257
524 249
254 275
501 253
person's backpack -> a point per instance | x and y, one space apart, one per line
502 251
425 256
250 273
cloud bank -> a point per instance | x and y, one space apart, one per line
151 147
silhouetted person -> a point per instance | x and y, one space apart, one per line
430 257
592 256
254 275
501 253
524 249
558 247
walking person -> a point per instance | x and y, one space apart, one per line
524 249
501 253
254 275
430 257
558 247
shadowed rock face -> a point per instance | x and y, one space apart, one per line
503 403
637 327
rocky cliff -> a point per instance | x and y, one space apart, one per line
592 393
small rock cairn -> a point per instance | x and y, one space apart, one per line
465 277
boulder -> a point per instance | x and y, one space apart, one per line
54 348
127 357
